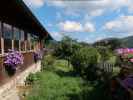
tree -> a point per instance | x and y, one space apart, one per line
84 62
66 48
110 43
105 53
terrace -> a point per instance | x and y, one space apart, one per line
21 31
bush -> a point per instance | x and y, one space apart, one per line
105 53
31 79
84 61
47 62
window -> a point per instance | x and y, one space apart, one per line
16 38
7 34
22 41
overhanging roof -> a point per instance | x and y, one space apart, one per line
16 13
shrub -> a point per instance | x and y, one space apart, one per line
84 61
105 53
31 79
47 62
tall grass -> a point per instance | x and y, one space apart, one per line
63 84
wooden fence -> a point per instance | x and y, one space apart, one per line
106 67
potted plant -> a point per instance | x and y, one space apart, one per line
12 60
38 55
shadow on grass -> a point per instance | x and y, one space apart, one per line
99 92
66 74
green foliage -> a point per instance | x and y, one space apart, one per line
51 44
53 87
63 85
31 79
110 43
84 61
65 48
127 42
62 64
115 43
116 71
105 53
47 62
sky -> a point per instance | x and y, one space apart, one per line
84 20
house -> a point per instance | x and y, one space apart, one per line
19 30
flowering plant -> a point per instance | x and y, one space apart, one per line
126 53
13 58
128 82
38 55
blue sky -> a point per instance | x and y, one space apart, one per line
84 20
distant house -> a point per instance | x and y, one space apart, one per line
19 30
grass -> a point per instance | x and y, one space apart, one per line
116 71
63 84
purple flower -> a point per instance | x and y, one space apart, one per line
13 58
128 82
38 55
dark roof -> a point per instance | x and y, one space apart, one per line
16 13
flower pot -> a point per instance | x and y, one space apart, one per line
10 70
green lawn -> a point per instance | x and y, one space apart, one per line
63 84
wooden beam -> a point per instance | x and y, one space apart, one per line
2 40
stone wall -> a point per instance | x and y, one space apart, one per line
8 91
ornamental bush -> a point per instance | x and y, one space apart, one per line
47 62
125 56
32 79
85 61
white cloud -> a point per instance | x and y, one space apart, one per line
89 27
34 3
97 12
130 6
70 26
92 7
123 24
73 26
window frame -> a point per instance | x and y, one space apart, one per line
4 37
16 38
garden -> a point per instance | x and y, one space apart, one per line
78 71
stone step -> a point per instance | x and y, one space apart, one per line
10 95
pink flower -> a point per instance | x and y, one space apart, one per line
119 51
124 50
131 60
